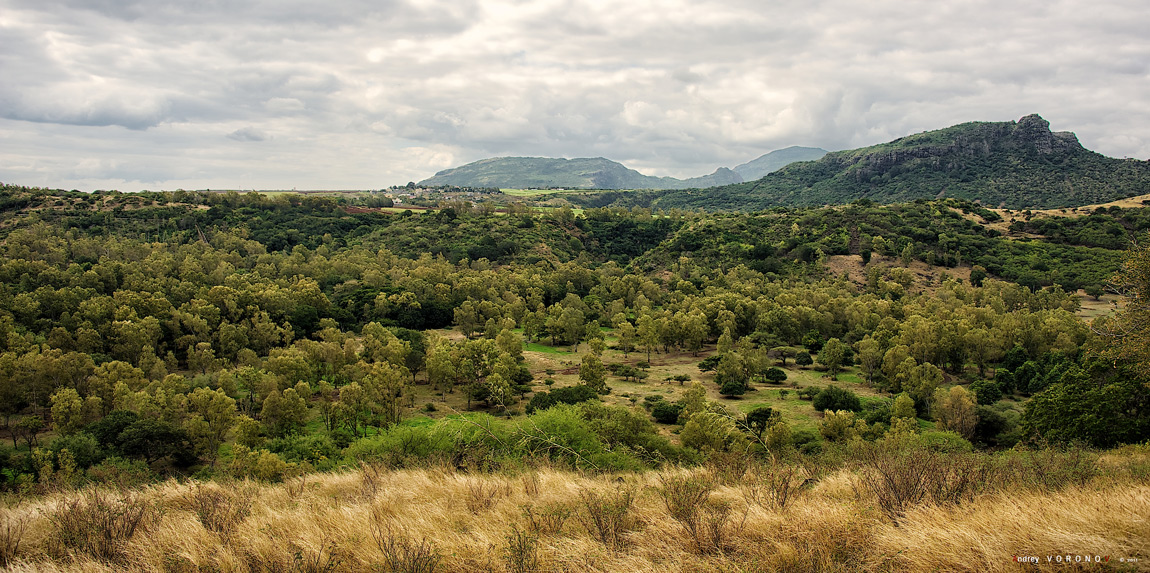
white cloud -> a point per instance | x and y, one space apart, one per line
363 93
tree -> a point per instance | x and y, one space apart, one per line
731 375
153 440
832 356
760 419
626 335
648 332
921 383
784 352
775 375
284 413
1103 413
67 411
870 358
726 342
593 374
955 410
695 330
213 415
903 407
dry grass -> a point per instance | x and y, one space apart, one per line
703 519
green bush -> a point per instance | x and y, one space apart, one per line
775 375
567 395
835 398
667 412
986 391
944 442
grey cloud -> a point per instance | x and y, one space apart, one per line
247 134
676 87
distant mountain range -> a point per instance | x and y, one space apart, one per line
776 160
1018 165
601 173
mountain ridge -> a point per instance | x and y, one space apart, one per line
1013 164
602 173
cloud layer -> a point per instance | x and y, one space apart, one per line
362 94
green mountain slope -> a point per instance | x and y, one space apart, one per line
581 173
776 160
1011 164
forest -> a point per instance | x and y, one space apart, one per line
201 359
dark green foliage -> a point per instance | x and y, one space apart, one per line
990 428
84 447
154 440
808 393
1080 408
733 388
834 398
804 359
877 411
317 449
710 363
1014 358
760 420
986 391
567 395
667 412
775 375
107 430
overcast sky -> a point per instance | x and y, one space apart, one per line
360 94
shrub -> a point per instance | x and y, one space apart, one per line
667 412
986 391
567 395
11 534
808 393
804 359
221 509
835 398
522 553
99 524
710 432
684 497
733 388
547 519
944 442
775 375
400 551
838 426
607 515
905 472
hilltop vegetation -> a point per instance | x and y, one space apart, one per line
242 337
1017 165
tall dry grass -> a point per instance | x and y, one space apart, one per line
442 520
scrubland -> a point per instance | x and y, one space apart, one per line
876 507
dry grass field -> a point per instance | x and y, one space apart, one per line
727 517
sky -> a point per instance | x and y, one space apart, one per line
364 94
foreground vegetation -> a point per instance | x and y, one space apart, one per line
894 505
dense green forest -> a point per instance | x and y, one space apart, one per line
254 336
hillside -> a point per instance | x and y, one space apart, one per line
776 160
581 173
1018 165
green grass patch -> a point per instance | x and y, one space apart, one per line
536 347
